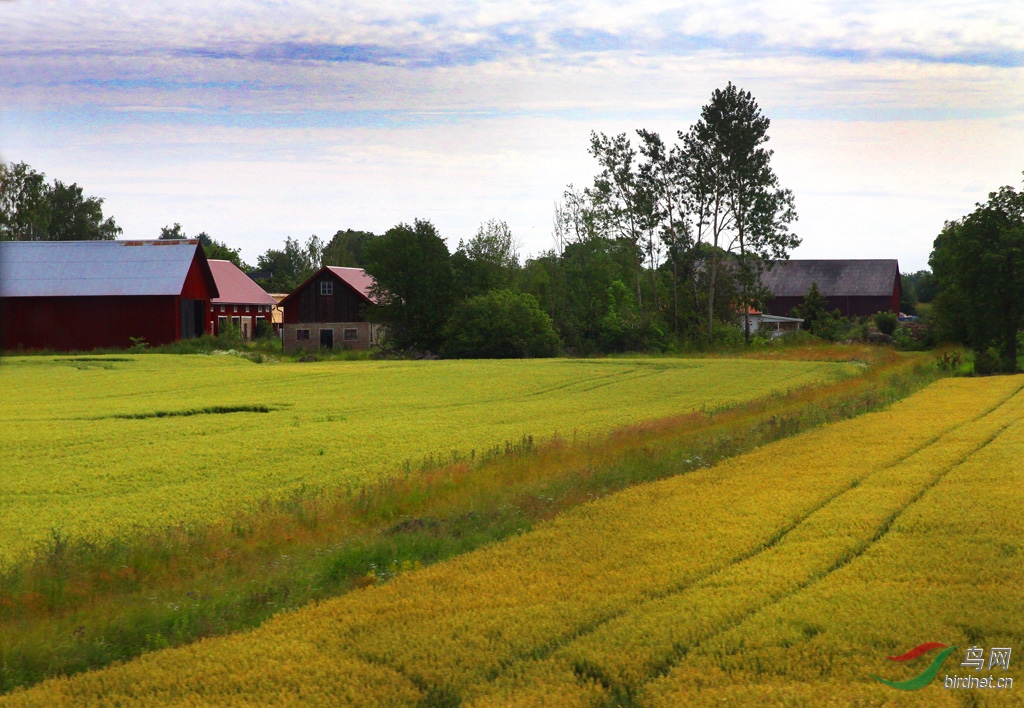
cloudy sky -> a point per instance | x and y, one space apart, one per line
254 121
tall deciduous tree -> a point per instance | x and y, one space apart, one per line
172 233
282 270
488 261
221 251
32 210
76 217
621 202
414 284
24 203
735 193
978 263
217 250
662 173
345 248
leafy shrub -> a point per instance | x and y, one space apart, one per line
886 322
818 319
625 327
229 331
264 330
724 334
499 324
139 344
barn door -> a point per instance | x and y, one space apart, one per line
191 318
327 339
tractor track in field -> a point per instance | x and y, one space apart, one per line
449 695
847 558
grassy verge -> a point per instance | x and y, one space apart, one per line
79 605
256 350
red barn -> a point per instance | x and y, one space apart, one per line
89 294
241 302
326 311
856 288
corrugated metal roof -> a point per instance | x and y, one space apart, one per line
235 287
358 278
90 268
835 278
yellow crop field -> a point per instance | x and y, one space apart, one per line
784 576
98 447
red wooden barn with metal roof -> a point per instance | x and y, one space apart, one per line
326 311
854 287
89 294
241 302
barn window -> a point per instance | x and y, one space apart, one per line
326 287
222 308
222 323
351 335
246 308
302 334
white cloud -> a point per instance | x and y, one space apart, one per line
259 120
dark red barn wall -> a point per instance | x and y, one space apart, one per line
199 283
307 304
86 323
851 306
237 311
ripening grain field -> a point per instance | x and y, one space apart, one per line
781 577
99 447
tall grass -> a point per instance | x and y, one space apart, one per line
78 605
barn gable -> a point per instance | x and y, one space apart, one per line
327 311
309 303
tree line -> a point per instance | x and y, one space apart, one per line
977 265
664 248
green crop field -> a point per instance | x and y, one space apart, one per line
784 576
99 447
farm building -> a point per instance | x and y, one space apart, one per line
326 311
241 303
773 324
277 312
856 288
88 294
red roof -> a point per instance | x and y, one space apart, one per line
358 278
235 287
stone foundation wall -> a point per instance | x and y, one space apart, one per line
361 335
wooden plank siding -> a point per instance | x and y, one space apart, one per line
308 305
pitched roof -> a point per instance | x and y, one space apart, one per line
90 268
835 278
236 287
359 279
356 278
